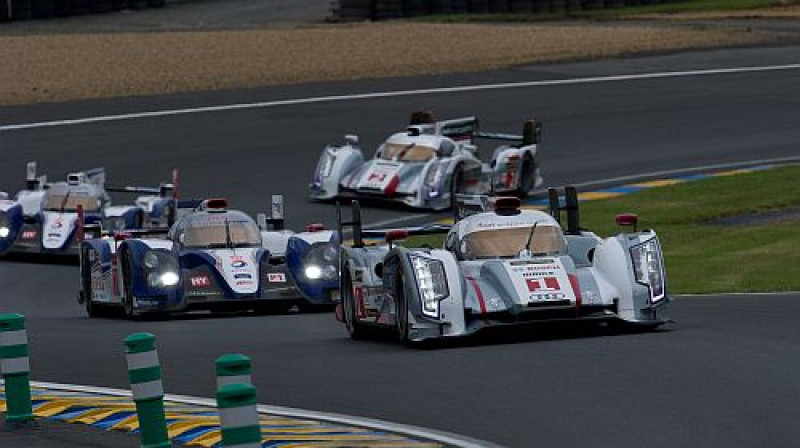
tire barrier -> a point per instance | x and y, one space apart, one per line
15 368
144 374
392 9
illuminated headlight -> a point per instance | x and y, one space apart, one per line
162 279
322 262
313 272
648 267
4 225
325 165
431 282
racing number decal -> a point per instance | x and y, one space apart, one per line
377 177
543 284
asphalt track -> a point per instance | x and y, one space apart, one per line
724 375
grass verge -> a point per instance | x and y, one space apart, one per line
703 255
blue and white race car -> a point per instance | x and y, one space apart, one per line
46 218
212 258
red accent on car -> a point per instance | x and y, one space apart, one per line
315 227
627 219
121 236
200 281
216 203
479 293
576 288
395 235
513 157
391 187
358 295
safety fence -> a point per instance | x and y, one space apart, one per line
393 9
45 9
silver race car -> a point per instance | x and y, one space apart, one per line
502 265
427 164
212 258
45 218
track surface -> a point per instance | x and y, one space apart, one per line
726 376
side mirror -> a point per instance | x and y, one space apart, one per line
351 139
627 220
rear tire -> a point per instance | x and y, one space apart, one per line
354 328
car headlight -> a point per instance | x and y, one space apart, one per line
313 272
321 262
162 279
151 259
431 283
648 267
325 165
4 225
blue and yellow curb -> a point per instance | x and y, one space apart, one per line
199 425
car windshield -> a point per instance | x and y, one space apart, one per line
411 152
69 201
508 242
219 231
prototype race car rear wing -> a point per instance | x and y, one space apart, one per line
570 207
466 129
276 220
359 233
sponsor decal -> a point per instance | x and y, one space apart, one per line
244 282
242 276
57 224
276 277
29 235
237 261
200 281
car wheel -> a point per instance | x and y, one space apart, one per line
354 328
527 176
127 303
92 309
456 186
401 309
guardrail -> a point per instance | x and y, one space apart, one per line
395 9
45 9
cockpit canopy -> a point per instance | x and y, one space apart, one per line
67 198
217 230
418 148
509 242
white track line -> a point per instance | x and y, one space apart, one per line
380 425
399 93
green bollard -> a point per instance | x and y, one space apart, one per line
15 367
238 416
233 369
144 374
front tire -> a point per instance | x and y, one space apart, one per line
401 309
128 308
354 328
527 180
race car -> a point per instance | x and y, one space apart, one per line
426 165
502 265
212 258
43 218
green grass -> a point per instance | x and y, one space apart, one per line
613 13
701 255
